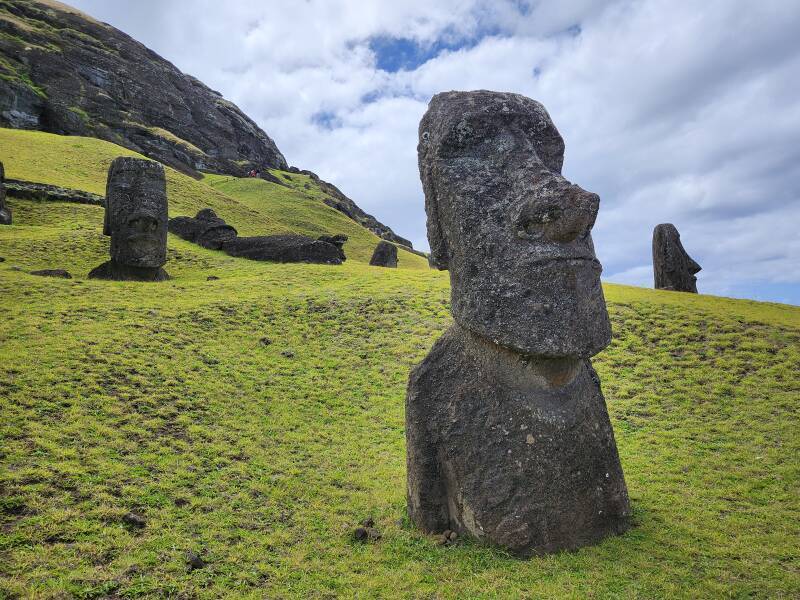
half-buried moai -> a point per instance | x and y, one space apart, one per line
136 220
385 255
5 212
673 268
508 436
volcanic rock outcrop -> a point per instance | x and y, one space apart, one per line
136 220
5 212
210 231
385 255
673 268
508 436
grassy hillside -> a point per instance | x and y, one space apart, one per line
253 206
257 419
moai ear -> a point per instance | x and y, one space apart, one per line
106 217
440 257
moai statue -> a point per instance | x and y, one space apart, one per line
673 268
508 436
136 220
385 255
5 212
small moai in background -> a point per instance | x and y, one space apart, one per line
385 255
673 268
136 219
508 436
5 212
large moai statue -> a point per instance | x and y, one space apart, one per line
136 220
673 268
508 436
5 212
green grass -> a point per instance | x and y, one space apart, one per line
177 401
253 206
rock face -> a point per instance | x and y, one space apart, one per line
70 74
136 220
5 212
673 268
508 435
337 200
385 255
210 231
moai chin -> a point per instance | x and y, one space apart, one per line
673 268
136 219
508 436
5 212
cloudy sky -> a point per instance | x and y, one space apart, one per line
673 111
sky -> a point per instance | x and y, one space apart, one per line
672 111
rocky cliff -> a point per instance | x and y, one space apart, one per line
63 72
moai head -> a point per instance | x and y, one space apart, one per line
673 268
513 232
136 212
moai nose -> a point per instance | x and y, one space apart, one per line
560 217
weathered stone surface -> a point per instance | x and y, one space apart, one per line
513 232
385 255
61 273
205 229
288 247
116 272
337 240
673 268
508 436
136 220
44 192
5 212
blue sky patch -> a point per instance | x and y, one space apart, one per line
326 119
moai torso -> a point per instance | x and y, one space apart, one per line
508 435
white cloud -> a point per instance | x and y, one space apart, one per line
673 111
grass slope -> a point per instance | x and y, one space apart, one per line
253 206
258 418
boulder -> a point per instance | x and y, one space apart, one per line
205 229
53 273
136 220
285 248
673 268
508 435
385 255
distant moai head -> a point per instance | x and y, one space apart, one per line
136 212
673 268
513 232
